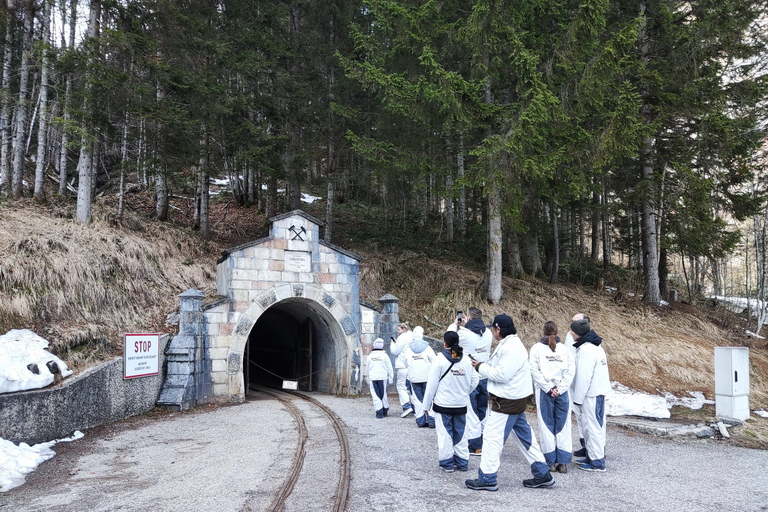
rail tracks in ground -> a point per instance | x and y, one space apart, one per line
287 398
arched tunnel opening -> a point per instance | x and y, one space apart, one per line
294 340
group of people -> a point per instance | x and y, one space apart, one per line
476 397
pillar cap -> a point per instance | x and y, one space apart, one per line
192 294
388 298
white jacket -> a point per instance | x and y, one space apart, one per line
418 357
458 383
507 370
591 373
472 343
552 369
380 366
396 347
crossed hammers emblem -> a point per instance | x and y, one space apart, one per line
297 233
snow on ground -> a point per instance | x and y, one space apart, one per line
24 362
754 335
763 414
18 461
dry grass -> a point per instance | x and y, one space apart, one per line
82 287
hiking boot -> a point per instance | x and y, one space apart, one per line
589 467
544 481
562 468
477 485
476 453
406 413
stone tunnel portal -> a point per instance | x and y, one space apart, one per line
296 339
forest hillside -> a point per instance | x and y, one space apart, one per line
81 287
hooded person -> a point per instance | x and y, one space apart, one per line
475 339
509 386
379 374
581 452
404 337
553 368
417 357
451 379
590 387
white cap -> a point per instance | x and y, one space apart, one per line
378 343
418 332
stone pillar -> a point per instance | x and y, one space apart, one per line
388 320
188 379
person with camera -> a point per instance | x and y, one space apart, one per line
396 346
451 379
475 339
509 386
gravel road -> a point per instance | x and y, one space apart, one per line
234 458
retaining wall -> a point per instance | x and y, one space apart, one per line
97 396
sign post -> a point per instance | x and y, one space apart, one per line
141 355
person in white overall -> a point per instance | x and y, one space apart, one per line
476 341
418 356
451 380
379 374
404 337
509 386
553 368
582 451
590 387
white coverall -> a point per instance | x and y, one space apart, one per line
590 387
379 374
395 348
509 376
418 357
450 393
553 370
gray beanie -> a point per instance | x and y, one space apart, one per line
378 343
580 327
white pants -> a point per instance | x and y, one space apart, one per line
497 429
402 389
554 416
379 395
593 424
452 450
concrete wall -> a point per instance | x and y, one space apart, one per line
99 395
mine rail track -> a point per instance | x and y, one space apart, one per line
342 493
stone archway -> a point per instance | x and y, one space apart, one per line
340 345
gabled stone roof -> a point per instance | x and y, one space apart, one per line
300 213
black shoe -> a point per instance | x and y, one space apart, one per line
562 468
477 485
544 481
580 453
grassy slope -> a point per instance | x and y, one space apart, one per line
82 287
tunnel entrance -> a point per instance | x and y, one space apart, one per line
293 340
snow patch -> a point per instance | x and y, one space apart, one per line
754 335
18 461
695 401
628 402
763 414
21 353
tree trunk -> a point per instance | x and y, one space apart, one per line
85 162
42 131
648 226
512 244
494 264
663 274
161 194
462 214
205 162
17 176
607 238
595 249
123 162
555 266
5 120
